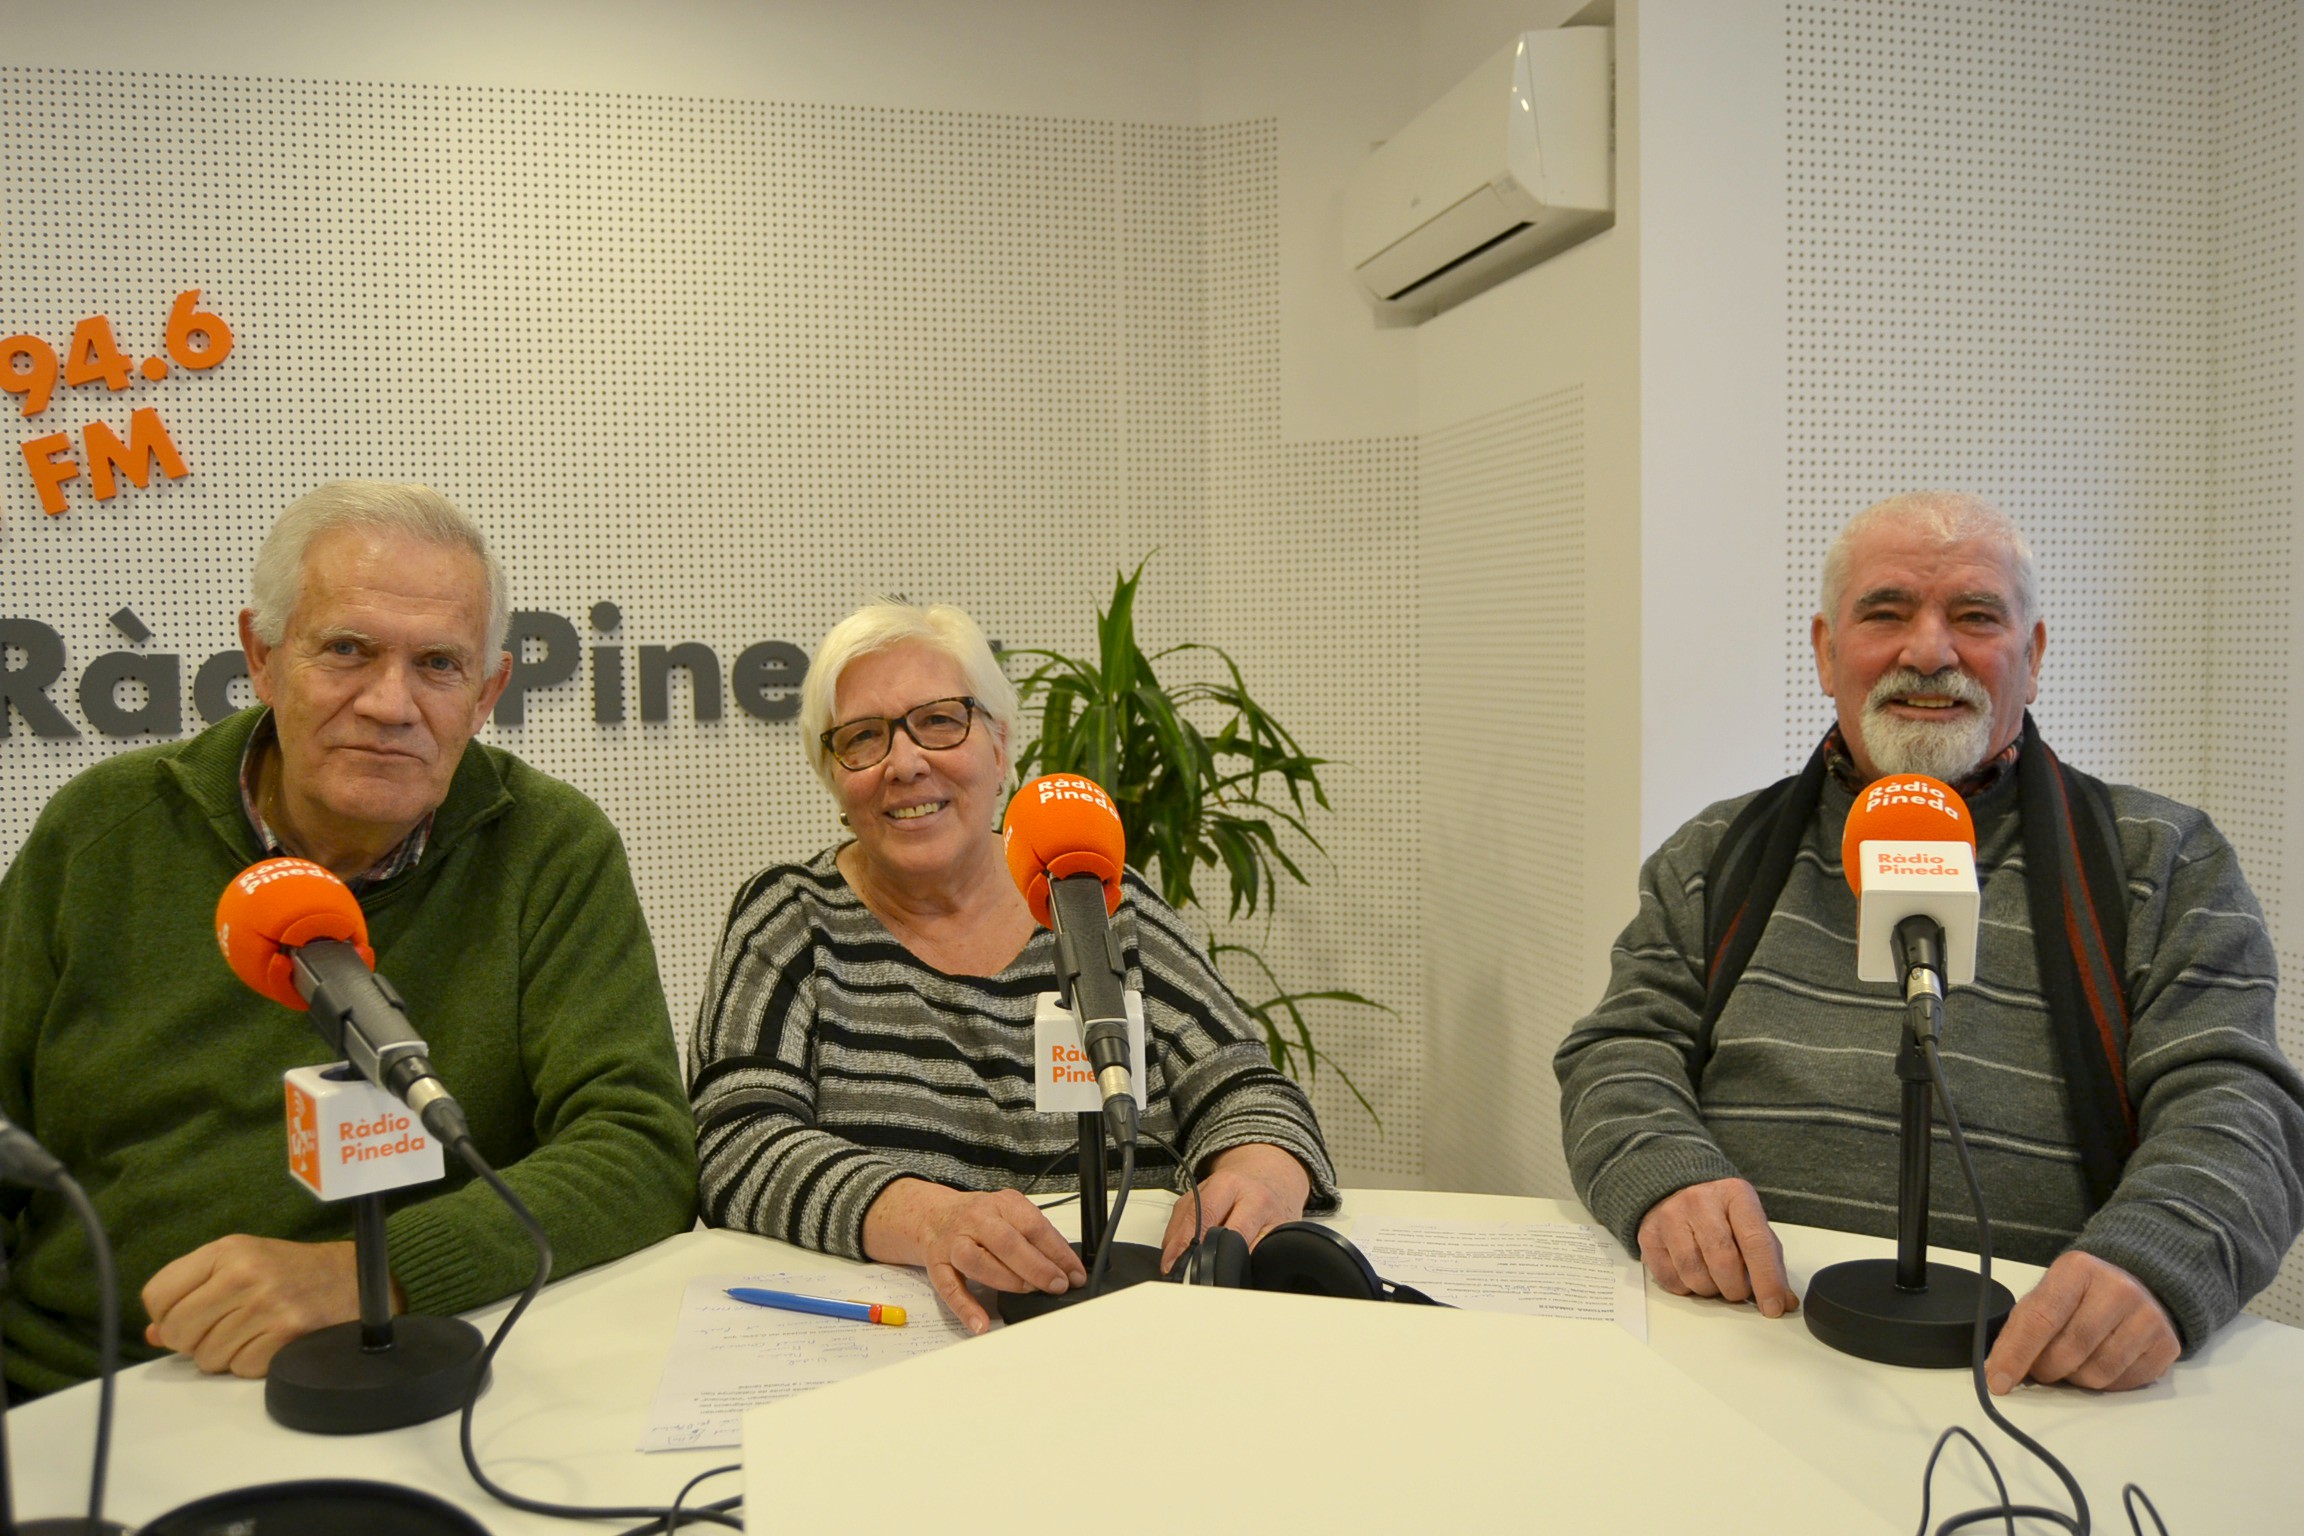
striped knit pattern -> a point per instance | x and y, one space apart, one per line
829 1061
1801 1095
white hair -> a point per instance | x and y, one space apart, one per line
277 582
887 622
1947 517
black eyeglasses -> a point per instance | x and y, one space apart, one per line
936 726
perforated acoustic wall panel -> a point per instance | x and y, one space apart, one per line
1997 224
1506 939
1312 565
2250 781
711 373
2046 251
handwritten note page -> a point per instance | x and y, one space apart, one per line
1541 1269
728 1355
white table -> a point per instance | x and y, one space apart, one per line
2215 1443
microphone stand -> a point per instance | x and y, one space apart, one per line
1907 1310
381 1372
1129 1263
1093 1177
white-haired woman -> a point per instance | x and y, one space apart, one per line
862 1064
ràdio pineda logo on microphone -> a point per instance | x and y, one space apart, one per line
1058 786
1911 791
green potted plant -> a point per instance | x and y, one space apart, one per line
1190 798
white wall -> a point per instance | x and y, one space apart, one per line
1529 419
1130 62
1712 405
646 299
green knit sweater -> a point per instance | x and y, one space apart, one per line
130 1049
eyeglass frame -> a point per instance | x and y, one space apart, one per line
903 722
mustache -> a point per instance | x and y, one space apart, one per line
1950 682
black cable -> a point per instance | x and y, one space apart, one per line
1049 1167
1191 1189
658 1515
672 1516
1928 1473
2128 1500
1096 1271
1191 1185
701 1513
2077 1523
108 1334
1112 1225
1154 1049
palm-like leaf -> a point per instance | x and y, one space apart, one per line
1189 799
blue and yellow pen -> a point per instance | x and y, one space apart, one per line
786 1301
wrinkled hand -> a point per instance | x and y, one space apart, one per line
1713 1239
2088 1322
231 1304
1251 1189
1000 1240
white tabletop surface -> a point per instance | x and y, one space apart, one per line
2215 1443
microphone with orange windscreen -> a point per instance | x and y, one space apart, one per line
1061 825
1909 850
1066 850
270 910
293 931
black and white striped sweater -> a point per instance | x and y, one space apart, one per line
829 1061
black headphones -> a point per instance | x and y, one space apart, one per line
1302 1257
1309 1259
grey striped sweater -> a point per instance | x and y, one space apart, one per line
1801 1097
829 1061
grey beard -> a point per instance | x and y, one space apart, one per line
1948 750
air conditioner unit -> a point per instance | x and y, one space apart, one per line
1511 166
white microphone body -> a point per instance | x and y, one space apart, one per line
1935 880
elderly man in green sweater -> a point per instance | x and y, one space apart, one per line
498 902
2134 1123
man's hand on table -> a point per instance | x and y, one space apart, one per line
2088 1322
231 1304
1713 1239
1251 1189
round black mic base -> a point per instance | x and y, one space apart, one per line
327 1384
1130 1264
1859 1309
70 1525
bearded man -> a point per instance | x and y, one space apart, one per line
2115 1066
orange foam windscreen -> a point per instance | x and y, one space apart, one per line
269 908
1903 808
1062 824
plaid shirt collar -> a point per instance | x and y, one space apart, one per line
1986 776
401 859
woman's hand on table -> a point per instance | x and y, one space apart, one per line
1000 1241
1251 1189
